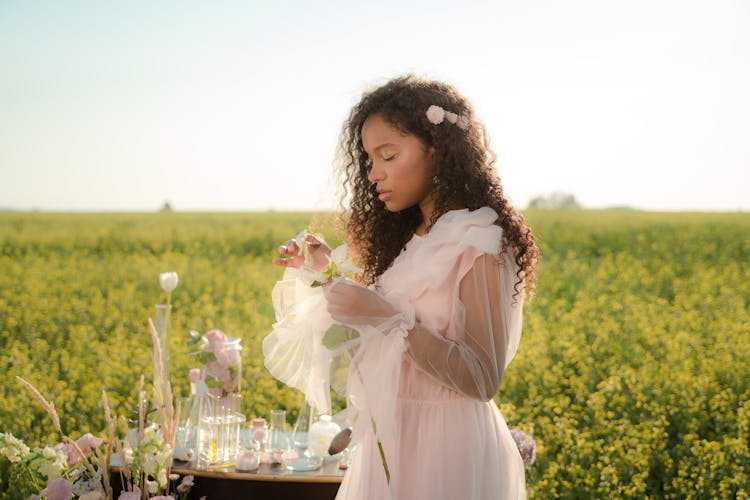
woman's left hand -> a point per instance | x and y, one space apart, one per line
354 304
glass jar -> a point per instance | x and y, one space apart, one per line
299 457
259 432
222 368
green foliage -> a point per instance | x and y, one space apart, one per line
633 367
631 374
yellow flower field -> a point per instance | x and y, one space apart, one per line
632 373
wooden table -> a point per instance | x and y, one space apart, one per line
269 482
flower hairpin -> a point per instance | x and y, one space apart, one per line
436 115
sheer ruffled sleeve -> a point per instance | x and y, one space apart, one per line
487 327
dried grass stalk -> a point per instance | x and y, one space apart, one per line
48 406
111 438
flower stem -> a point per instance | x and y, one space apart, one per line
380 444
382 458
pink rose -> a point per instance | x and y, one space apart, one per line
218 371
88 442
229 386
228 358
216 339
195 375
435 114
131 495
71 454
58 489
186 484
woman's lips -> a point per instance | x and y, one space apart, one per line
384 196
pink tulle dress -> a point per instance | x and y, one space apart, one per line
421 382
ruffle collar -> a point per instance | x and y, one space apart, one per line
427 260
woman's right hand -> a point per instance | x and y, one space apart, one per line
293 257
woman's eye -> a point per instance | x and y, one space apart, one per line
389 158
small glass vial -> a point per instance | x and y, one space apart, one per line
278 440
259 432
247 461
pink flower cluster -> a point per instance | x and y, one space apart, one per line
227 365
131 495
525 444
186 484
87 443
58 489
216 339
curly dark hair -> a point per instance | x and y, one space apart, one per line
463 163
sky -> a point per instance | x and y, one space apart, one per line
237 105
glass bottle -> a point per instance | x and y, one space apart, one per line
302 459
207 435
163 325
278 440
301 427
259 432
222 371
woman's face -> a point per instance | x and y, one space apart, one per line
401 166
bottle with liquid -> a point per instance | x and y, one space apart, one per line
207 435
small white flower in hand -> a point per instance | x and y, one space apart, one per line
168 281
338 266
341 262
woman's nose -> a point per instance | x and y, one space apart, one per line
375 174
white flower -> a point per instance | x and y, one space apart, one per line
341 262
435 114
12 448
162 455
451 117
48 462
150 465
463 122
49 452
168 281
338 266
152 486
162 478
152 433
